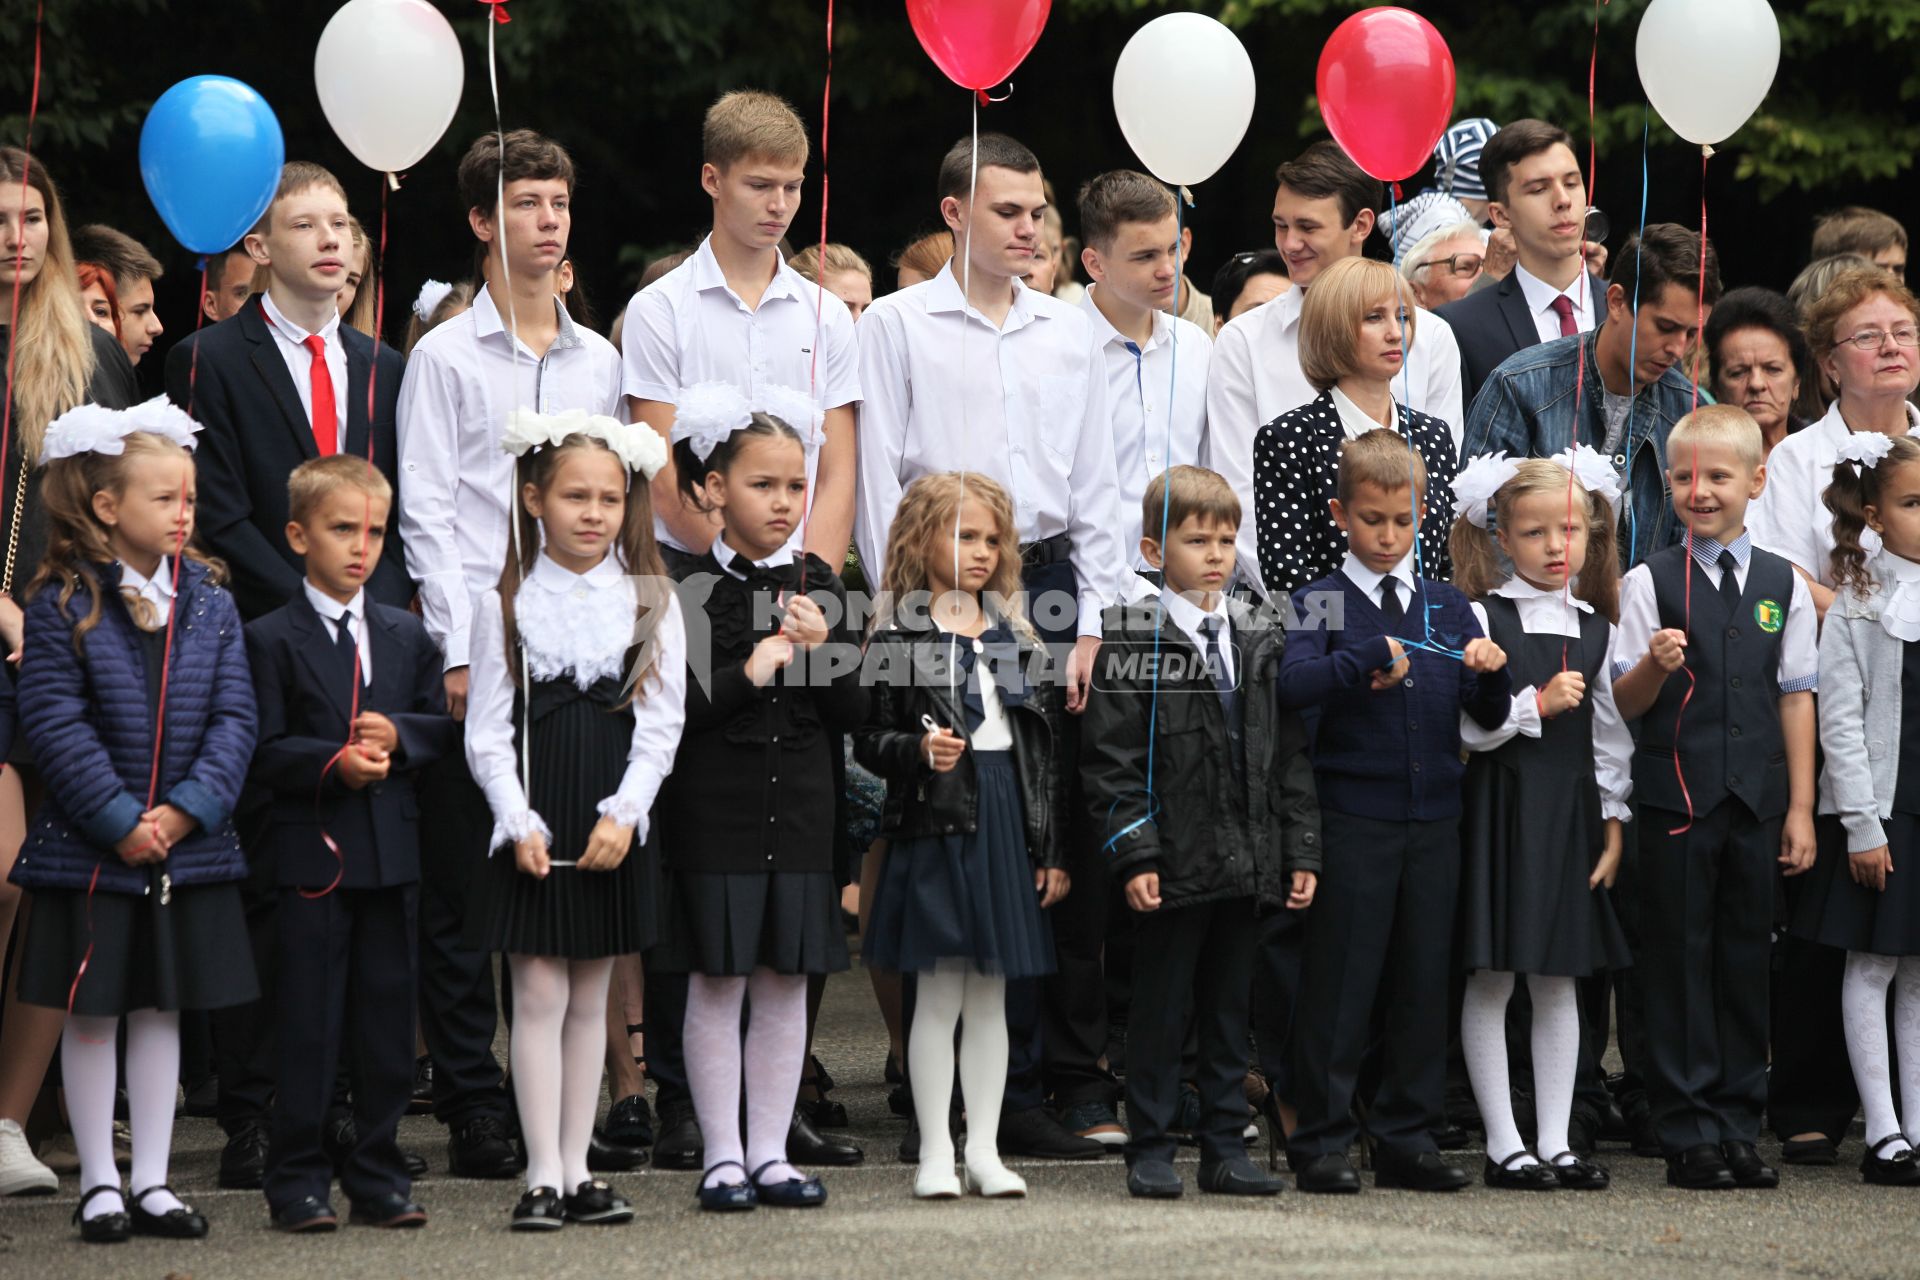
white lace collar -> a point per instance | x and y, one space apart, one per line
1898 585
575 623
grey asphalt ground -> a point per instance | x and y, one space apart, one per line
1078 1221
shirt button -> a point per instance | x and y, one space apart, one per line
1734 732
770 818
1409 682
776 737
1735 682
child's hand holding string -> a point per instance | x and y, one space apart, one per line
942 748
143 844
768 658
804 623
1562 694
530 855
360 765
1388 676
1668 649
1483 656
371 729
607 846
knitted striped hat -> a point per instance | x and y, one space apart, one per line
1457 159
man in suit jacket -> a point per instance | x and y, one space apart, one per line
1539 195
251 382
330 668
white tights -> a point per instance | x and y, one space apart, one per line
954 994
1863 1014
1556 1051
558 1050
88 1071
776 1049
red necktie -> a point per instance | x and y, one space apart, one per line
326 434
1562 306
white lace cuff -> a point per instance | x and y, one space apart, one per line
516 827
627 812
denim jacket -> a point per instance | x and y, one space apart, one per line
1527 405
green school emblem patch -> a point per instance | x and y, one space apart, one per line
1769 615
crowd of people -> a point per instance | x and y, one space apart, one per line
1345 700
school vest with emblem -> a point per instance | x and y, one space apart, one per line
1728 740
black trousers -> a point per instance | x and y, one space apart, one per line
666 1024
243 1050
1810 1088
1706 913
458 1012
1199 969
1276 994
1381 926
346 991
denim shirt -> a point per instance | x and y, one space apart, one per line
1527 406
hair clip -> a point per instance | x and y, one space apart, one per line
1476 483
1591 468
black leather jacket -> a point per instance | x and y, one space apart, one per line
907 674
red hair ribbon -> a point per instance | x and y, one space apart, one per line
499 11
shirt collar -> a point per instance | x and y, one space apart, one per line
330 609
556 577
1706 552
158 588
1105 334
488 321
1369 582
1188 615
707 275
943 294
1285 309
1540 295
736 564
1518 588
1355 420
277 319
1833 428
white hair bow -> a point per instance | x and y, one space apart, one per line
1865 449
1593 471
1476 483
710 412
638 446
93 428
431 295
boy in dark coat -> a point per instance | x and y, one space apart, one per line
351 707
1201 785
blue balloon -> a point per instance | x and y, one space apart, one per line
210 154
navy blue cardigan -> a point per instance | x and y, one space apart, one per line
85 716
1393 755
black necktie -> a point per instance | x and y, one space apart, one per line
1210 632
344 646
1729 583
1390 604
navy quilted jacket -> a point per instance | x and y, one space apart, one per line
85 716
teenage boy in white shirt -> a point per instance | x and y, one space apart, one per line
1323 210
736 312
515 348
993 377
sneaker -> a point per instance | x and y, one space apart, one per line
20 1173
1037 1133
1096 1120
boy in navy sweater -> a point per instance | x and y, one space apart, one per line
1388 661
351 707
1724 776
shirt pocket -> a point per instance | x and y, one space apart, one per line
1060 405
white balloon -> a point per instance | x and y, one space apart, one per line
389 74
1183 92
1707 64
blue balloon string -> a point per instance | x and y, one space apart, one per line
1633 346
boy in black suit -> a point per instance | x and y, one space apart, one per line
1236 833
333 668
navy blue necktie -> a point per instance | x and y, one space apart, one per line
1390 606
1729 582
1211 629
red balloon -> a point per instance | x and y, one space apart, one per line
978 43
1386 90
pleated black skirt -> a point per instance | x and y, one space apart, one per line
579 754
1836 912
724 924
190 952
964 897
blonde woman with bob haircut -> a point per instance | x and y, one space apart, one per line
1356 324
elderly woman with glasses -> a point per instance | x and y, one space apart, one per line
1865 334
1443 265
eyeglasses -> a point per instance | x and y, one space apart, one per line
1459 264
1872 339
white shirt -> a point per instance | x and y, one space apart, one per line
1255 377
1188 616
330 610
689 326
1799 667
461 382
1369 582
994 733
1540 295
736 564
577 625
1157 396
1788 518
1546 613
156 591
290 340
1024 404
1355 421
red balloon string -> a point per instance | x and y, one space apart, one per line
19 258
819 272
1693 488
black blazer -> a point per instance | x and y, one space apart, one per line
303 721
256 434
1491 324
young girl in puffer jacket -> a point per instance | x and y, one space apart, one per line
135 699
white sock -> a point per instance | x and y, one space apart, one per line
711 1045
1906 1027
1483 1035
1556 1055
1863 1017
540 985
153 1065
936 1012
89 1074
983 1064
583 1054
775 1056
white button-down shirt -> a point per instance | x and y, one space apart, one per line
289 339
737 565
156 591
1024 403
1547 613
1540 295
1255 377
1157 396
1799 666
330 610
1369 582
461 382
1788 518
689 327
1188 616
